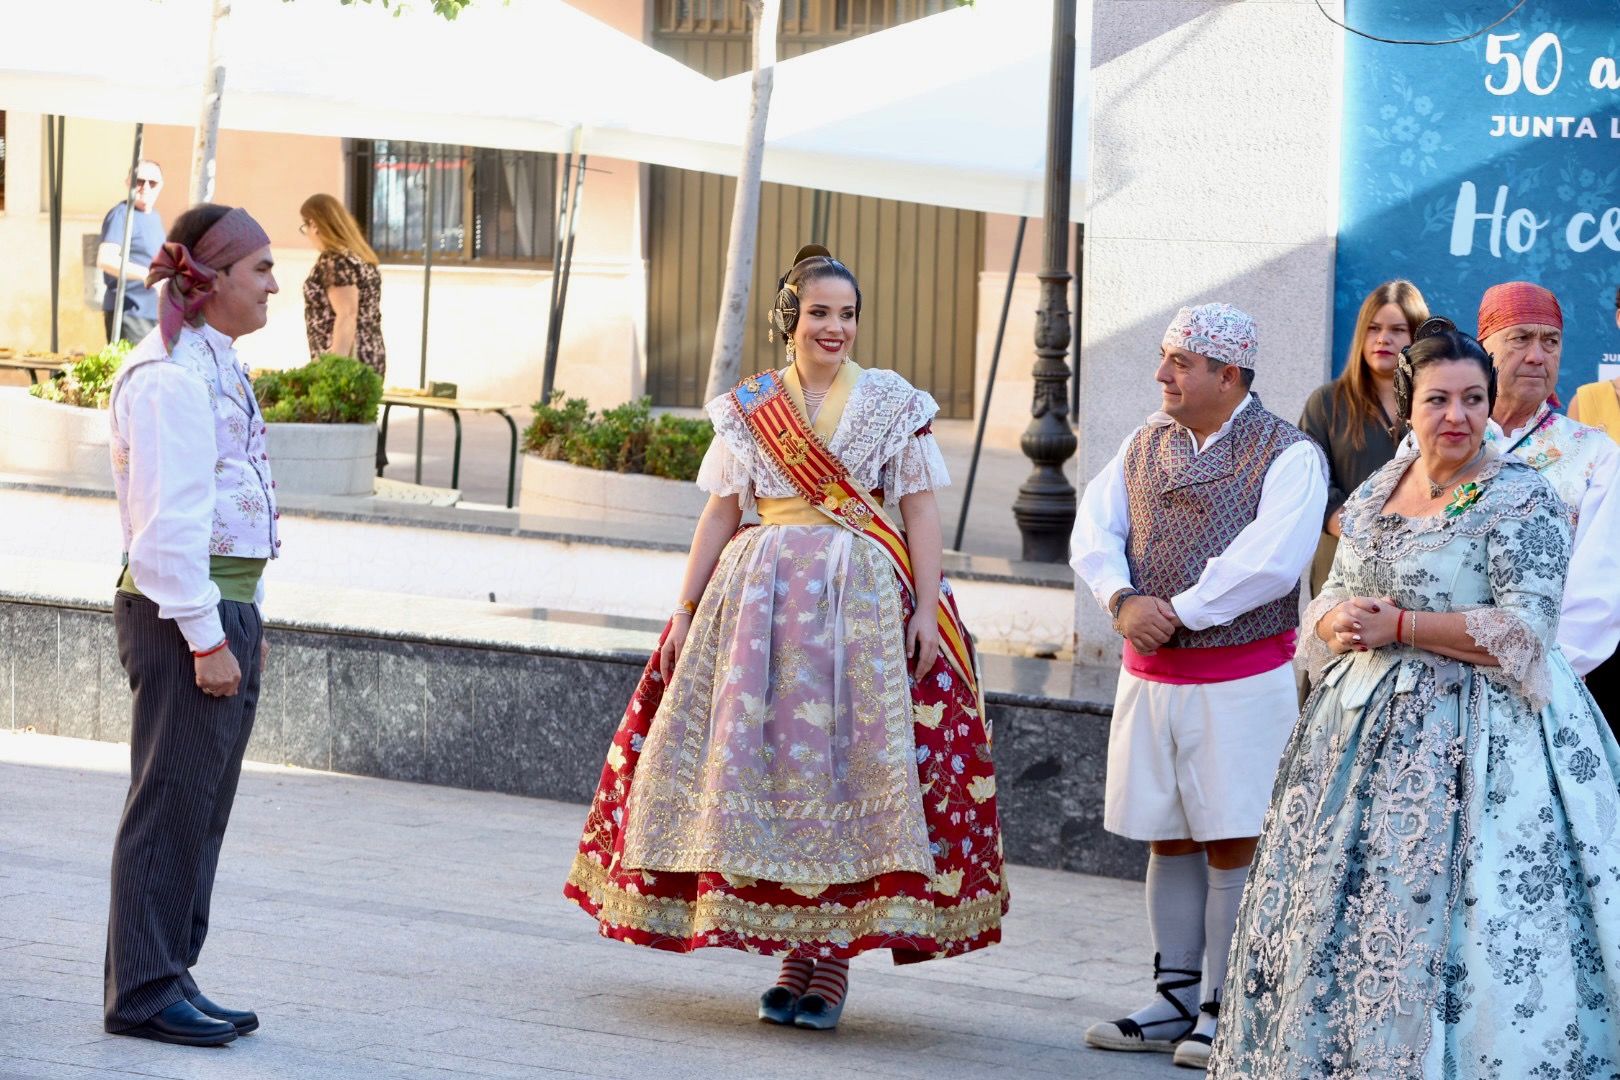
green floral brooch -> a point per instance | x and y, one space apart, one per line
1465 496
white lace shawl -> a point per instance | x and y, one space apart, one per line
876 439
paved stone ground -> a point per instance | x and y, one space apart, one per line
394 930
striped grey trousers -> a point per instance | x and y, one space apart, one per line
185 751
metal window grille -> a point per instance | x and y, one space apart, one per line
490 207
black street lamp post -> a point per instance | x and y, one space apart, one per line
1045 506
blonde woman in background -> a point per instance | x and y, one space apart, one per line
1353 418
1598 403
343 293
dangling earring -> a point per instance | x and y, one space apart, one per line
792 351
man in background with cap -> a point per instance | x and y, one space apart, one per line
1522 326
1193 539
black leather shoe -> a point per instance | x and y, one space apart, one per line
241 1019
182 1023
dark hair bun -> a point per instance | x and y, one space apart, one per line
784 313
1438 341
810 251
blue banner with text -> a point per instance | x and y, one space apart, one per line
1493 159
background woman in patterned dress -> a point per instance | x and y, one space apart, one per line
800 773
1436 891
343 293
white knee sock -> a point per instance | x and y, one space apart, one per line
1176 888
1176 903
1220 923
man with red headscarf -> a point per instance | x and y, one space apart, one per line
1522 326
198 510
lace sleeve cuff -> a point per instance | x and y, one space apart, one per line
1312 653
1519 653
722 473
919 466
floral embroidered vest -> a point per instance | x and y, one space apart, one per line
1187 508
244 524
1564 451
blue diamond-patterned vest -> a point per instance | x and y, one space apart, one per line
1187 508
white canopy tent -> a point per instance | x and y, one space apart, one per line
949 109
527 75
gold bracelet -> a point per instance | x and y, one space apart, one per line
1413 642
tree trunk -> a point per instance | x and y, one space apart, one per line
202 154
732 328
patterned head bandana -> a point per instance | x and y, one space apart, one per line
1218 331
190 274
1517 303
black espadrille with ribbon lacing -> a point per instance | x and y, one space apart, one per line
1154 1036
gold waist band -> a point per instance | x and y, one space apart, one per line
794 510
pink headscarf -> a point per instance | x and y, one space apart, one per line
190 274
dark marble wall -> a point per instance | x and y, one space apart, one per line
516 722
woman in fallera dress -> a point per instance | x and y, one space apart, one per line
804 770
1436 892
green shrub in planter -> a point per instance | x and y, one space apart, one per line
332 390
86 382
627 438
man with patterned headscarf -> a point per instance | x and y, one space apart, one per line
1193 539
198 509
1522 326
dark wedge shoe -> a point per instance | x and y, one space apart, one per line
777 1005
183 1025
814 1012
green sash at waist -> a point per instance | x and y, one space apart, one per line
238 579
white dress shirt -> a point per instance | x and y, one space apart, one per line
1263 562
1585 478
191 472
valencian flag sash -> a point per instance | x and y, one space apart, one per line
786 437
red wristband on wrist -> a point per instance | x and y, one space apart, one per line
1400 621
210 652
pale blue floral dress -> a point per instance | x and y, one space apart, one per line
1437 889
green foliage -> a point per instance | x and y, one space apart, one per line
332 390
553 423
627 438
676 446
87 382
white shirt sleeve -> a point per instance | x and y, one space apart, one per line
1265 560
1589 627
1101 528
164 414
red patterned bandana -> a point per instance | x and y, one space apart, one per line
1517 303
190 274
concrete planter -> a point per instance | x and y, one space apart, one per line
558 489
46 438
323 459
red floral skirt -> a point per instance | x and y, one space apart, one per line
956 910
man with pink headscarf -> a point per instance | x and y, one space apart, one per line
1193 539
1522 326
198 510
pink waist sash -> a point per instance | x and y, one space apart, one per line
1223 663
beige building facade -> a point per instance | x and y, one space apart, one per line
487 322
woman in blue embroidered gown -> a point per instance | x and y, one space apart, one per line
1437 890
